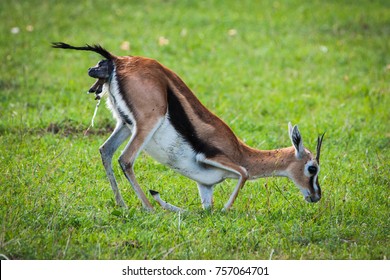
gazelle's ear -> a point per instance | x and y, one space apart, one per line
296 139
290 129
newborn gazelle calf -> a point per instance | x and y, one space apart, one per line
102 71
159 113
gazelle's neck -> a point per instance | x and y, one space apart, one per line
267 163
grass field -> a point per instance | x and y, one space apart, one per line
257 64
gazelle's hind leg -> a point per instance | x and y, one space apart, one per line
164 204
206 196
107 150
142 134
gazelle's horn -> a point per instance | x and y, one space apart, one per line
319 144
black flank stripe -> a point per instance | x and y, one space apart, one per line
183 125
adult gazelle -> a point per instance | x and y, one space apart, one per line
159 114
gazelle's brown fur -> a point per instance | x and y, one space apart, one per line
163 117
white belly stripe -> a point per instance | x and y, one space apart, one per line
169 148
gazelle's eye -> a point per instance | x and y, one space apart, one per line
312 169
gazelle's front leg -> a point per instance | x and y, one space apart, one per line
233 196
206 196
141 136
224 163
107 150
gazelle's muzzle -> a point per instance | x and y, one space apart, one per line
313 198
316 195
313 194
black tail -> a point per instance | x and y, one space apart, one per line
94 48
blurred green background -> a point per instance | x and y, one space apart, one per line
257 64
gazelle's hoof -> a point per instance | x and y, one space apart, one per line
122 204
153 193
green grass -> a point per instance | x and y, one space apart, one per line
322 64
